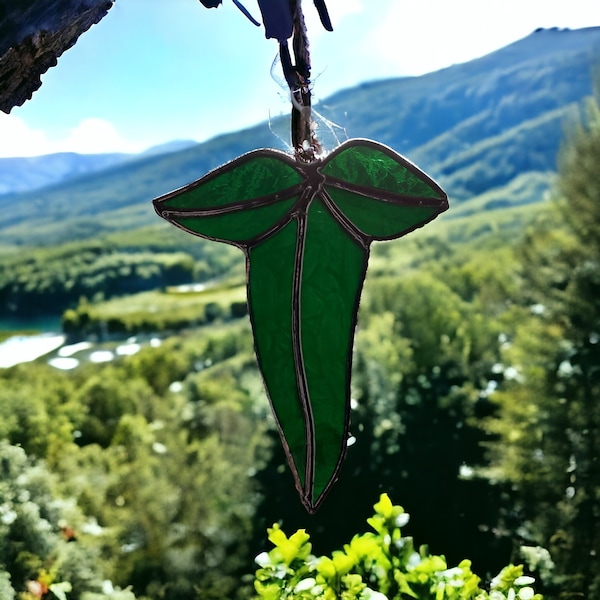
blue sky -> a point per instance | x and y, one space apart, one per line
159 70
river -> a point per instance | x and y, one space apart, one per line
25 348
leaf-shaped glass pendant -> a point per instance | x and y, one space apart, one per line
306 228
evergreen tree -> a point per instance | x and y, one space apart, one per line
550 403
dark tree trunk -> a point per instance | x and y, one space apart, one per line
33 34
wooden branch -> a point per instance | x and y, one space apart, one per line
33 34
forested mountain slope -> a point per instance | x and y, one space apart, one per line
474 126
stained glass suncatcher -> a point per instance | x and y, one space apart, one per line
306 229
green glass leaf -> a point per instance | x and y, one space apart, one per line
307 375
380 219
248 177
406 197
367 163
271 273
333 271
235 226
306 231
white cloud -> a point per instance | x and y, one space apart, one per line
90 136
94 135
18 139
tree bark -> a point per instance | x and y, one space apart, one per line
33 34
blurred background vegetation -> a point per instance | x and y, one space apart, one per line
476 381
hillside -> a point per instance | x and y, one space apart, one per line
476 127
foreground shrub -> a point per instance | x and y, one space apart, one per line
379 565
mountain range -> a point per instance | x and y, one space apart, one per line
24 174
488 131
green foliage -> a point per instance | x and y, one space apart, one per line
525 189
35 521
6 589
377 565
171 309
495 162
172 487
38 410
549 419
60 277
419 395
156 452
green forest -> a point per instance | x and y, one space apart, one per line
475 410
